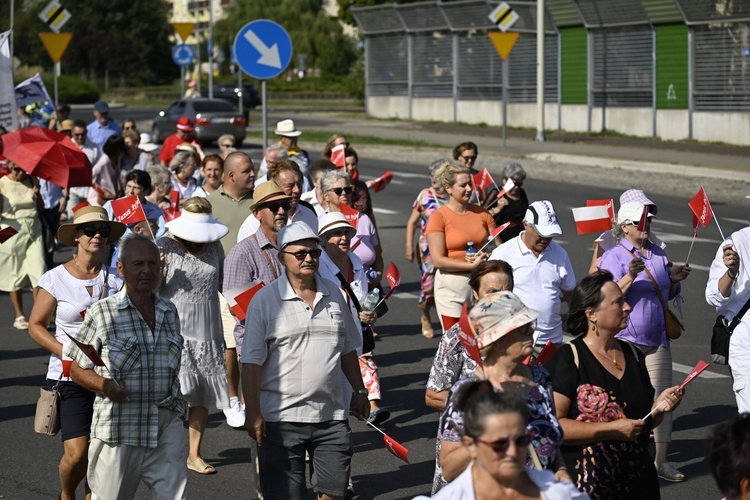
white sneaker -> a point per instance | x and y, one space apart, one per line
235 413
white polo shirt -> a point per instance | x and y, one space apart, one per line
539 283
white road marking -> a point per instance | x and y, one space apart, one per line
687 369
384 211
408 175
744 222
405 295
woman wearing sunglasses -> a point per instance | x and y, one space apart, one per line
66 292
511 207
337 190
495 436
504 328
602 392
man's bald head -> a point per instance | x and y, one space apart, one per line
239 174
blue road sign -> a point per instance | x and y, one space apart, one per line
183 55
263 49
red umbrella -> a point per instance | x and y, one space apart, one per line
49 155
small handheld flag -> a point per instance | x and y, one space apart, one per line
592 219
467 337
338 157
239 297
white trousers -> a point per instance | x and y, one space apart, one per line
115 470
739 361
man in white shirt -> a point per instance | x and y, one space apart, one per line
80 137
542 272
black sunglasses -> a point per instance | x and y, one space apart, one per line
338 191
302 254
469 158
274 207
92 231
502 445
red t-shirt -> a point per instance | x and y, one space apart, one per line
170 144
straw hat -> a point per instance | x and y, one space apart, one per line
266 193
286 128
66 233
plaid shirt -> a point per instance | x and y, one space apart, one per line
147 363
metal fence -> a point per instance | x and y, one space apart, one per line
441 49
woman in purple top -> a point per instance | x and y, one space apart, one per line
630 262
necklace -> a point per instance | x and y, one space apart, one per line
614 355
85 271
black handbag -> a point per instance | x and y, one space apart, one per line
722 332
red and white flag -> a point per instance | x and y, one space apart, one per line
88 350
351 214
610 204
128 210
592 219
393 277
381 182
467 337
239 298
338 157
491 239
644 217
699 368
701 208
509 184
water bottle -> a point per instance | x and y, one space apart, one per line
470 248
371 275
371 300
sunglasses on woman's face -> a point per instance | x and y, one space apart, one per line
339 190
502 445
92 231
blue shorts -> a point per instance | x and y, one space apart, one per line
282 459
76 409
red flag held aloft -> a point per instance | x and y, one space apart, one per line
381 182
338 156
128 210
701 207
509 184
351 214
610 204
593 219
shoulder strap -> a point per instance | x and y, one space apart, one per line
651 277
736 320
345 285
575 353
105 285
632 348
268 259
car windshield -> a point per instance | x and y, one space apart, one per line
208 106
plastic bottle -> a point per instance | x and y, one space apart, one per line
470 248
371 275
371 300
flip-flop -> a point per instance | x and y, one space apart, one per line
201 467
379 416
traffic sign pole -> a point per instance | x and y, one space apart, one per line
265 115
506 81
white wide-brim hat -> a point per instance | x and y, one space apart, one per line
334 220
197 228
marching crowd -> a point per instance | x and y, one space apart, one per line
147 333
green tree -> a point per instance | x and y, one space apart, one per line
312 31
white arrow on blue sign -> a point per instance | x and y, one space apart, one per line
183 55
263 49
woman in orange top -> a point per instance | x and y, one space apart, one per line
449 230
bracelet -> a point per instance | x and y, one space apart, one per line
362 392
729 273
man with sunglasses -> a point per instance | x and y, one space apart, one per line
79 135
299 338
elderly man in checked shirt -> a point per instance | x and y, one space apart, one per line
137 432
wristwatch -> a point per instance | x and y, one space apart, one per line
362 392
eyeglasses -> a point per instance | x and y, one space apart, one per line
502 445
92 231
274 207
469 158
302 254
527 329
339 190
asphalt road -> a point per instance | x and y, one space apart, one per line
28 464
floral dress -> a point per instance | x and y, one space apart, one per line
610 469
426 203
546 431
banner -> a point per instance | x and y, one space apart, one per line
31 90
8 105
128 210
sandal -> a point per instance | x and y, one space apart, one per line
201 467
379 416
668 472
427 331
20 323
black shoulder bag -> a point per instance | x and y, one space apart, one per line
368 339
721 335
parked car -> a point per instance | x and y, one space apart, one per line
231 92
212 118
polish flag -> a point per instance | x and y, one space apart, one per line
699 368
467 337
239 297
701 208
393 277
337 156
488 247
610 204
88 350
592 219
644 217
128 210
351 214
381 182
6 234
509 184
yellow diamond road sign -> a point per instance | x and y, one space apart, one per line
184 30
504 16
504 43
55 43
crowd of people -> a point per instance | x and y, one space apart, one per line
156 301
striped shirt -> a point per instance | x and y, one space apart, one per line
147 363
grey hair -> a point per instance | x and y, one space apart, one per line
617 231
513 170
179 159
333 176
281 152
127 242
159 174
435 165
